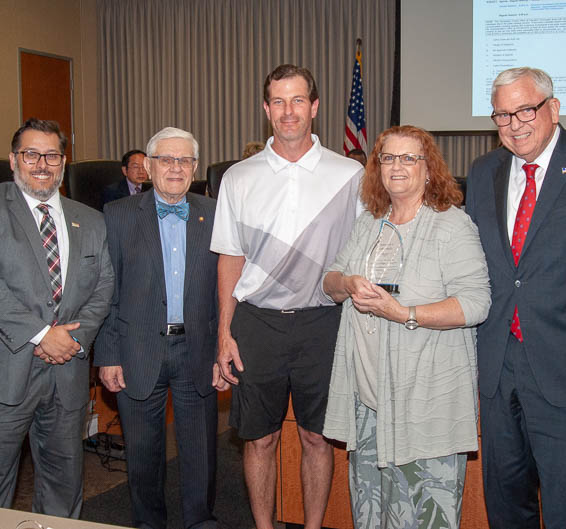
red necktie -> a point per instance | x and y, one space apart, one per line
522 223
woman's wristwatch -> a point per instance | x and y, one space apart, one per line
411 324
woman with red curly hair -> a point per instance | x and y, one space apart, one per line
413 282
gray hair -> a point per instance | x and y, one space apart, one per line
541 79
171 132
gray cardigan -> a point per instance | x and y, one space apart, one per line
427 379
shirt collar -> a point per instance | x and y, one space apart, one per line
54 201
160 199
308 161
543 159
132 186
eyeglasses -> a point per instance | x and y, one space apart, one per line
136 167
524 115
169 161
33 157
386 158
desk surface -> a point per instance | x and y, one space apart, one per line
9 519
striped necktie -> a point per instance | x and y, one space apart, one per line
48 234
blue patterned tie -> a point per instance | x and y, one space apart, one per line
181 210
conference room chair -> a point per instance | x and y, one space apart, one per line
214 174
85 180
198 187
5 170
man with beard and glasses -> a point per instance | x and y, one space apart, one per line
56 284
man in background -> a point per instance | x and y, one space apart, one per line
161 332
251 148
282 216
56 283
134 180
517 197
359 155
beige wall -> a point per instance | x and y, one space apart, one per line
59 27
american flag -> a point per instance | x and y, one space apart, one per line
355 136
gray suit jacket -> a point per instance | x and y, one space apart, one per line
26 299
133 335
537 285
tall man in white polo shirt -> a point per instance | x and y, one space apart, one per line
282 216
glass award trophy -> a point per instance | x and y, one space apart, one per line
385 258
383 264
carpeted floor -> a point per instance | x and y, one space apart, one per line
232 506
106 498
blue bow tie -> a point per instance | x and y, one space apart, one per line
181 210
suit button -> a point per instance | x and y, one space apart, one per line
162 333
164 302
517 283
50 303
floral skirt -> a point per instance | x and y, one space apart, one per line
423 494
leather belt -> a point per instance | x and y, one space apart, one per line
304 309
174 329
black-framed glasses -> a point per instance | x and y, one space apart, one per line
407 158
33 157
169 161
524 115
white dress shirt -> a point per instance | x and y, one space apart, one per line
518 180
56 212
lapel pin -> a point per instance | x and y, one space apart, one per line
75 225
201 219
564 170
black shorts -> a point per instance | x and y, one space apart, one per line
282 353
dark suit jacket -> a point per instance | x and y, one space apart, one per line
537 285
133 336
26 299
119 190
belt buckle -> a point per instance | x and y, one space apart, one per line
288 311
172 329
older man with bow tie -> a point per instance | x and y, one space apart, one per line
161 332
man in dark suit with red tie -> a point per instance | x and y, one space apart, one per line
517 197
161 332
134 180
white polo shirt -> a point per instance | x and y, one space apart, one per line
289 219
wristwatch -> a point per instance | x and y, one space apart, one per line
411 324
